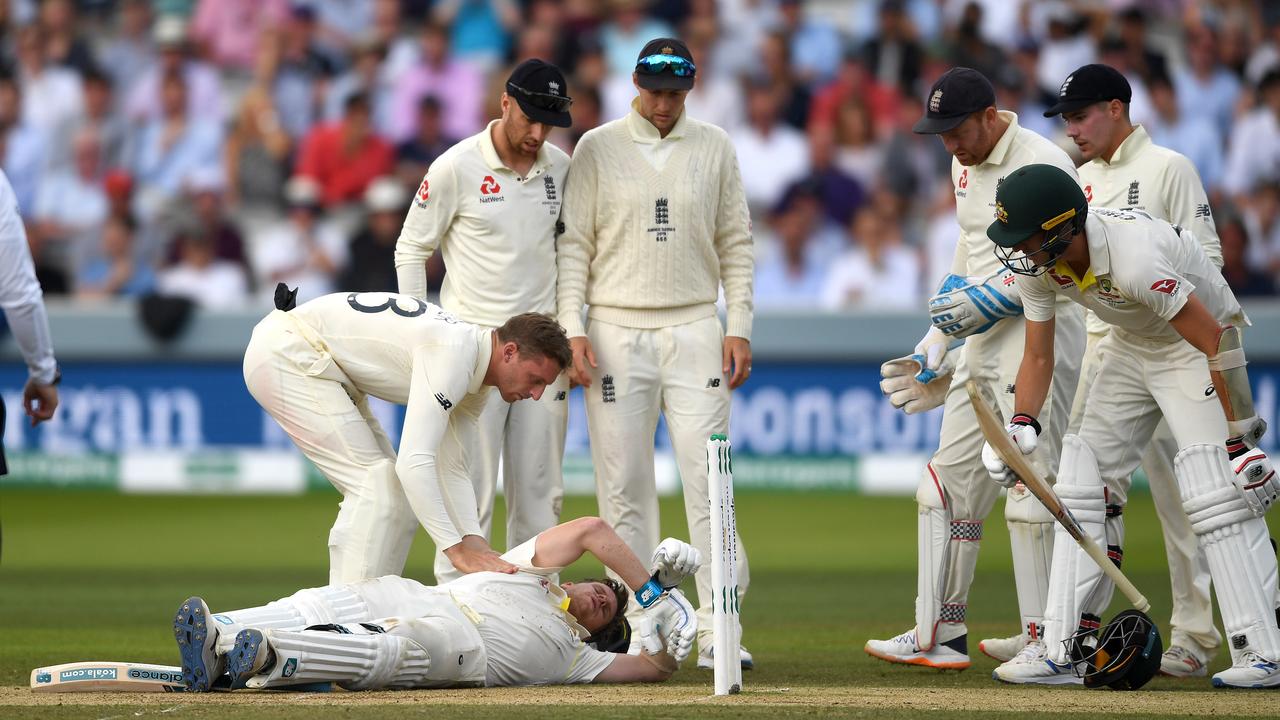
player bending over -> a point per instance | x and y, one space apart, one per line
1174 345
483 629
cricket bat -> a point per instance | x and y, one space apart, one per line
993 430
107 676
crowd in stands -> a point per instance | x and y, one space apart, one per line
212 148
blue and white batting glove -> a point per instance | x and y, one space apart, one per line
968 306
666 623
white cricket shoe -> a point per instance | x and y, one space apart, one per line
706 660
1032 666
1003 649
1252 671
950 655
1180 662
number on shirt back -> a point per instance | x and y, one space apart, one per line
391 304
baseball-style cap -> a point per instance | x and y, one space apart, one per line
665 64
539 88
1090 84
956 95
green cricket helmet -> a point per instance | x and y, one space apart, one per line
1036 198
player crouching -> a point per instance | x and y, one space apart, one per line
483 629
1174 350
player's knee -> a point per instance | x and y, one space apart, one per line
1209 497
931 492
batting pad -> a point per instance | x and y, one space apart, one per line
1031 533
352 656
947 552
1237 546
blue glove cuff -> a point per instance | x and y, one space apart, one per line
648 593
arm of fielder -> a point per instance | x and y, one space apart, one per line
994 432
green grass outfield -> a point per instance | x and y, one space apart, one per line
86 575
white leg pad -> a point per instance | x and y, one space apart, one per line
1031 533
947 553
337 604
1237 546
356 659
1075 579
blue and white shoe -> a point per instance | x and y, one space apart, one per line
706 660
197 639
1032 666
251 655
1252 671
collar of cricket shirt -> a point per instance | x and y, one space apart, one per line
1131 148
643 131
1001 149
484 351
1095 235
490 155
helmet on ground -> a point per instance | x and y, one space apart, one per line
1124 656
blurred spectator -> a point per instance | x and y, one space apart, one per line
1140 57
1141 109
1194 137
416 155
367 75
372 266
116 268
230 30
70 208
717 97
913 165
816 47
857 153
1018 93
202 278
63 44
1262 220
24 146
387 28
854 82
795 252
53 98
341 23
586 116
1244 280
204 88
300 251
841 195
100 115
301 68
256 158
170 147
345 156
877 271
129 54
893 55
625 34
941 233
1066 47
1205 88
966 46
771 156
775 67
456 84
205 214
1254 155
480 30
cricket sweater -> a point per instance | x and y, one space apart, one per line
646 247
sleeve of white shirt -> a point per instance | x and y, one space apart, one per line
444 503
733 243
576 247
1037 297
1189 206
20 294
1157 284
431 212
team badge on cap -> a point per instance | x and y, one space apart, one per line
1001 214
935 102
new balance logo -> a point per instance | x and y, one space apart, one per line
713 383
1203 211
607 393
560 396
444 401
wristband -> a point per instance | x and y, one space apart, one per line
648 593
1025 419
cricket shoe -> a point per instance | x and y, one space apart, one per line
706 660
251 655
1180 662
1003 649
197 639
949 655
1252 671
1032 666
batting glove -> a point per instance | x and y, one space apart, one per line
673 561
968 306
669 623
1254 475
1024 431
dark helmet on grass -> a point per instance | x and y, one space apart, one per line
1036 198
1125 655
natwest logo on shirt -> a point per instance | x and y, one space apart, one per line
489 189
423 194
1167 286
1088 192
964 179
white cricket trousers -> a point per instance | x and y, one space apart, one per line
1191 621
676 371
529 437
297 382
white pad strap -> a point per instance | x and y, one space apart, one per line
1228 359
1237 546
336 604
1031 533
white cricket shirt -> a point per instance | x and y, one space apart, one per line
1141 272
496 230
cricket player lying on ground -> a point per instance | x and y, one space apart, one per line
1173 346
483 629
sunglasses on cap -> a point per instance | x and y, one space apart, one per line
658 64
543 101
